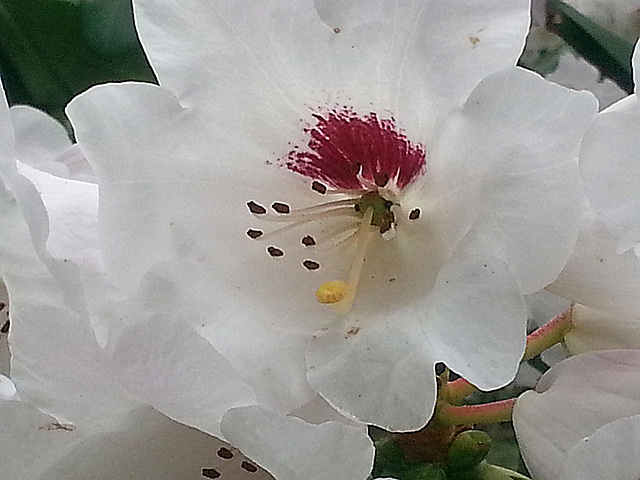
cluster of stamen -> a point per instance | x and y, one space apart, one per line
365 162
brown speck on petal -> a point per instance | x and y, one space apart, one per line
336 30
254 233
210 473
308 241
2 306
225 453
311 265
281 207
249 467
256 208
414 214
318 187
5 327
275 251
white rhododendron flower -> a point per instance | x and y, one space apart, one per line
582 420
346 193
112 409
610 165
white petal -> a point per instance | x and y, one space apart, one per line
475 318
294 450
376 373
7 389
576 73
72 209
578 396
596 330
29 441
49 320
597 276
611 452
166 364
380 369
147 446
39 139
373 54
516 168
271 361
7 150
78 386
609 161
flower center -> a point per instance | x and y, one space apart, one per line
364 162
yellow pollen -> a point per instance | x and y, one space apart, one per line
332 292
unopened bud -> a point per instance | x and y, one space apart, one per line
468 449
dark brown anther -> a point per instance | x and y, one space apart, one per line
311 265
280 207
275 251
255 208
210 473
249 467
2 306
318 187
308 241
414 214
5 327
225 453
251 233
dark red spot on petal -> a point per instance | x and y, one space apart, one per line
345 148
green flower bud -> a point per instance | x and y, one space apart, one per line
468 449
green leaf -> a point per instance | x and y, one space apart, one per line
51 50
605 50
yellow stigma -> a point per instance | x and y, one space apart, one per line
332 292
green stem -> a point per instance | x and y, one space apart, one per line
494 412
548 335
